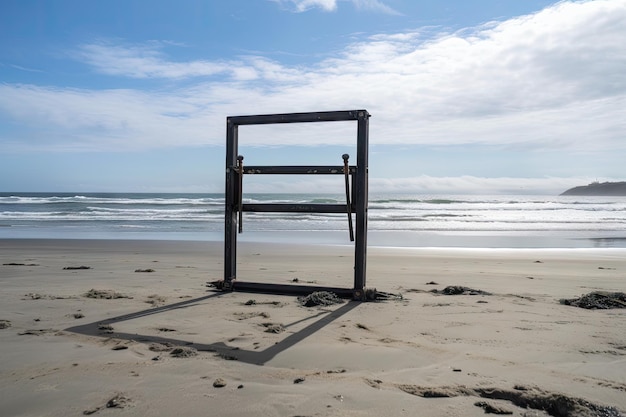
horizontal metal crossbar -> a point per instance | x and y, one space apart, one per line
296 170
295 208
324 116
291 289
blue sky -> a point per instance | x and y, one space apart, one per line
487 96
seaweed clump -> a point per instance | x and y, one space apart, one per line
460 290
320 298
597 300
553 403
104 294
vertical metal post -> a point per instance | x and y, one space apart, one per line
360 247
231 202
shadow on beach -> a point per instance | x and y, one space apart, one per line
225 351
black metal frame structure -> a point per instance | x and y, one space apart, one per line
357 204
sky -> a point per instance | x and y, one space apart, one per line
465 97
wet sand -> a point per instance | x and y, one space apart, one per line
97 327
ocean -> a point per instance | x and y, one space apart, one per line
399 220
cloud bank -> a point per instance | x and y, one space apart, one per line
550 80
425 184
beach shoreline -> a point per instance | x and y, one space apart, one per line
376 238
408 220
65 352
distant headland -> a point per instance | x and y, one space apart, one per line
599 189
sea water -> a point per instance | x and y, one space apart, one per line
526 221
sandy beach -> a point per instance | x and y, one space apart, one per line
112 328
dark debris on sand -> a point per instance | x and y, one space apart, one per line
104 294
491 408
460 290
320 298
554 404
105 328
37 332
118 401
598 300
219 383
161 347
273 328
183 352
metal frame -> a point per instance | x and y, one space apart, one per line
234 207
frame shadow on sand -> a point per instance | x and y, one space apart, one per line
255 357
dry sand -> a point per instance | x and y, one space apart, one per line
158 342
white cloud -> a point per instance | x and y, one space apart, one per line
21 68
145 61
374 5
304 5
550 80
75 119
475 185
331 5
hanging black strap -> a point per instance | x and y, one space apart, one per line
346 172
240 204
